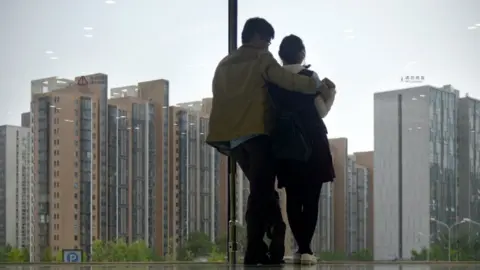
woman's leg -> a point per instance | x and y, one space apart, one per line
294 211
309 216
293 191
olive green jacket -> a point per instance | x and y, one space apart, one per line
241 104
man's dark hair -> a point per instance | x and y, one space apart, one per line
258 26
290 49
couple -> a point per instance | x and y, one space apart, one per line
269 119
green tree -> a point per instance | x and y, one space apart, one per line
183 254
170 253
99 253
221 241
59 256
463 248
138 252
362 255
421 255
216 256
332 256
47 255
199 244
119 251
4 254
84 256
15 255
25 254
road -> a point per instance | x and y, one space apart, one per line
207 266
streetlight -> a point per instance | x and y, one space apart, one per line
467 220
428 248
449 233
470 221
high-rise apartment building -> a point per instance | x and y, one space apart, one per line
214 208
131 170
65 126
338 225
323 240
198 167
345 221
365 160
143 112
469 158
357 206
101 81
415 167
176 209
15 189
115 151
221 193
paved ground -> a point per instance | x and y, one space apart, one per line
226 267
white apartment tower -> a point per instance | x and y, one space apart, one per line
15 186
415 168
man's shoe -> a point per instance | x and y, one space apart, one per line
308 259
252 261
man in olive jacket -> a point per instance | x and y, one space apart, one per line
241 120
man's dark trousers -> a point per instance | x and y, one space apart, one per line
256 159
276 231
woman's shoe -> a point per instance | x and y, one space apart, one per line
308 259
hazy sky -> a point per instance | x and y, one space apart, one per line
365 46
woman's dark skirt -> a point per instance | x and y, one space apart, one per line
318 166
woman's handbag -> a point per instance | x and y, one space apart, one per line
289 138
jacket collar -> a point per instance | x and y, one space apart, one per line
251 46
294 68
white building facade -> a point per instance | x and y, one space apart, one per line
15 186
415 168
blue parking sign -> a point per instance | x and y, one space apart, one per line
72 255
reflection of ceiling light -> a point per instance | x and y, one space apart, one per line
88 35
110 2
54 58
48 52
348 31
350 37
88 28
477 24
472 27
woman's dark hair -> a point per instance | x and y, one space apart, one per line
258 26
290 50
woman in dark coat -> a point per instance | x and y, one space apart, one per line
302 149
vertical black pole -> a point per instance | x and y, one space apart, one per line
400 177
232 164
